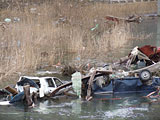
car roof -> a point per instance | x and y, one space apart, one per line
32 77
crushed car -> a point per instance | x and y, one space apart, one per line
30 88
45 85
133 73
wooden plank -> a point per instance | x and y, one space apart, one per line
90 82
11 90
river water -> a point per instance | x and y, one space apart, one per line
115 107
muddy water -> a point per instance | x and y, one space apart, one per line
101 107
123 107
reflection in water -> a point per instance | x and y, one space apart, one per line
76 106
128 107
124 112
43 107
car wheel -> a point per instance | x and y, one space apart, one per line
145 75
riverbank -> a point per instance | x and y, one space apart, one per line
53 32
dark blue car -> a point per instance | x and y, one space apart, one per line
127 85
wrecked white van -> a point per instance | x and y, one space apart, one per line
41 85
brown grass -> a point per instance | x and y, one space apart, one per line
46 35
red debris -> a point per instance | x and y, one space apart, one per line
151 51
148 50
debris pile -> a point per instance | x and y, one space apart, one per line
133 73
29 89
133 18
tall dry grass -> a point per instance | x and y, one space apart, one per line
48 33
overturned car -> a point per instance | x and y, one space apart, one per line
133 73
99 84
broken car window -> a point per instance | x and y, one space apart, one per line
58 82
50 82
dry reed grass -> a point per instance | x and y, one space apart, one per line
46 34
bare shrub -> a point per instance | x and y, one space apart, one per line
52 31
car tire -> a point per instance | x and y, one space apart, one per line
145 75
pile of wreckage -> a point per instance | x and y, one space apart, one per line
133 73
29 89
132 18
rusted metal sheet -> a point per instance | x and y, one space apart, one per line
148 50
